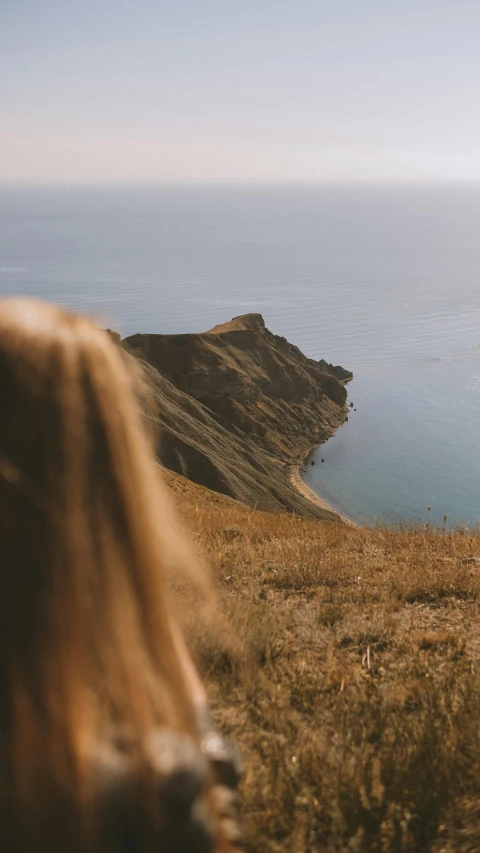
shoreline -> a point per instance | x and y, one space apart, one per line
300 485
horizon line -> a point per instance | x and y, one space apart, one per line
236 184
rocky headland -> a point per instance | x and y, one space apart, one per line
239 407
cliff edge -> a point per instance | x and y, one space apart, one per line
237 406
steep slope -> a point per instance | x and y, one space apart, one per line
236 407
191 442
253 382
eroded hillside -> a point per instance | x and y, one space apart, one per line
237 406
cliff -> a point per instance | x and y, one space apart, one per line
237 405
336 370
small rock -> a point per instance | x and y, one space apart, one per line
232 532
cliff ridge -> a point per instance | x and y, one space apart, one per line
238 406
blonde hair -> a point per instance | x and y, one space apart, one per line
86 536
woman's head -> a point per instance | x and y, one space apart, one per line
85 537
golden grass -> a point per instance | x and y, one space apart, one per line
349 678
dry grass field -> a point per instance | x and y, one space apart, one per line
347 668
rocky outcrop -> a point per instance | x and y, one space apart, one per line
236 406
336 370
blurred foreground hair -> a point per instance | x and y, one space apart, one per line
87 640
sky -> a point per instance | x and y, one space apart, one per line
239 91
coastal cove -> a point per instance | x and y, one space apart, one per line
375 469
383 281
300 484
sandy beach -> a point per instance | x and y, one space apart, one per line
308 493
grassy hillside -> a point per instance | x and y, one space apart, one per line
349 677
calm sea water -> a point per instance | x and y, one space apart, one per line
383 281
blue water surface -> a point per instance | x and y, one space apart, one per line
382 280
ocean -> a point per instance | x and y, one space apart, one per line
383 280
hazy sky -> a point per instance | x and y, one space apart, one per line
239 90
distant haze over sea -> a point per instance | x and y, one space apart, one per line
383 280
